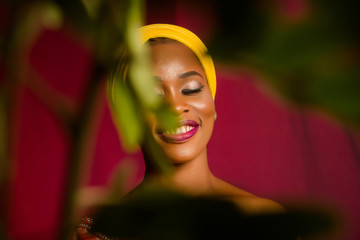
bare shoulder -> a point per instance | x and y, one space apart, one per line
257 205
247 202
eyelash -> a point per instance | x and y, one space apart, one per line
191 91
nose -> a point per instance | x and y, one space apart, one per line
178 102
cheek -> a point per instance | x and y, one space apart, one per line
205 108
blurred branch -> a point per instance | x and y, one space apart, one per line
105 34
104 25
82 145
113 22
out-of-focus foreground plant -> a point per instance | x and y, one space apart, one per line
103 25
106 24
307 51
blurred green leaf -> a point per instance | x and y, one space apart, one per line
143 82
119 185
139 95
92 7
135 19
51 16
128 116
140 73
102 25
155 154
167 118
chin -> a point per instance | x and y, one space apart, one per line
187 151
182 155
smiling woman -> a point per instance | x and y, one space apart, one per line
184 86
187 82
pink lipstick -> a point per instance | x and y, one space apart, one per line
184 132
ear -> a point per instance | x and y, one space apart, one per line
215 116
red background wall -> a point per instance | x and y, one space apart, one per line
259 144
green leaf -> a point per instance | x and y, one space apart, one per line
51 16
167 118
140 72
127 116
92 7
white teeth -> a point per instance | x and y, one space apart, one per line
180 130
183 129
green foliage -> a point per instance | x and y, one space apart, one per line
140 73
167 118
104 25
312 62
128 116
311 59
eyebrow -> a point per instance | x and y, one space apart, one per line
190 73
183 75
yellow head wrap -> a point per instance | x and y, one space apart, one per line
190 40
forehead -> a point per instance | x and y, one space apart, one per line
164 49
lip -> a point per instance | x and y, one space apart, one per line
181 137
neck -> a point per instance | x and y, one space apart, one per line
193 177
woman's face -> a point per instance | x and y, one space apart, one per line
183 84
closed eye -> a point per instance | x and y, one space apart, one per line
191 91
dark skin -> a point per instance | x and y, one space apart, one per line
184 85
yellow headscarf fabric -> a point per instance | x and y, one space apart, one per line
190 40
